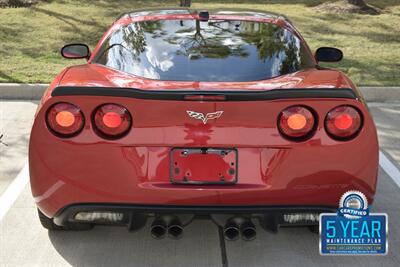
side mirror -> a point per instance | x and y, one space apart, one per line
328 54
75 51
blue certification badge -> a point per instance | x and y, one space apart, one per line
353 230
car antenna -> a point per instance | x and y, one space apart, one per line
185 3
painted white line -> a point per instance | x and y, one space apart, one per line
13 191
389 168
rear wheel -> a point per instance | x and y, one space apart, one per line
50 225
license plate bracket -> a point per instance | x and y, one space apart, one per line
203 166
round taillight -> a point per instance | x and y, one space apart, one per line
65 119
343 122
112 121
296 123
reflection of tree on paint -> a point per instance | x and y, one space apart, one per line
198 133
214 50
136 156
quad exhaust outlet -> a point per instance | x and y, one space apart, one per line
231 230
166 226
233 226
175 229
248 230
158 229
239 226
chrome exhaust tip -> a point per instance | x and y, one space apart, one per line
175 230
158 229
248 231
231 231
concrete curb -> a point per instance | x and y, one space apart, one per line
22 91
15 91
380 94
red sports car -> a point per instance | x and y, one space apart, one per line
182 114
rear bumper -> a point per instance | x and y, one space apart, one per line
270 216
140 175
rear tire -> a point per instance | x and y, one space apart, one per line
49 224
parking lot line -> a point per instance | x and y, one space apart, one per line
13 191
389 168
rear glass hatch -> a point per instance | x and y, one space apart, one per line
208 51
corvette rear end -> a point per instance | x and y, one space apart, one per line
183 114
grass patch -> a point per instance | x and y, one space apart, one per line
31 38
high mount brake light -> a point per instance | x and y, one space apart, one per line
112 121
296 123
65 119
343 122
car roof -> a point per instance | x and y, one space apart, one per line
257 14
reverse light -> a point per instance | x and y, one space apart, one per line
343 122
296 122
112 121
99 216
65 119
301 217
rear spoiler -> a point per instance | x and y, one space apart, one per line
196 95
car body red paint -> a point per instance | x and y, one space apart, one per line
135 169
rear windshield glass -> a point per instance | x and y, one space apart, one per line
216 50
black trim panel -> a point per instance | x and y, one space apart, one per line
180 95
66 213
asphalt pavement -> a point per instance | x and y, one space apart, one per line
23 242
